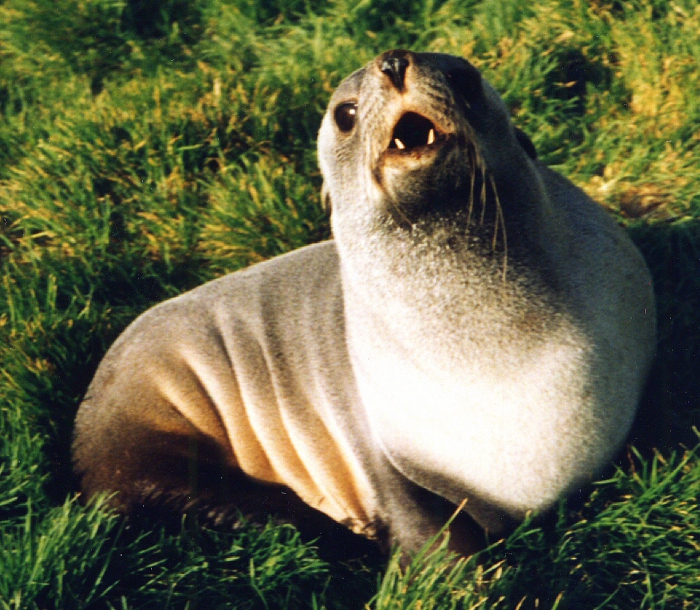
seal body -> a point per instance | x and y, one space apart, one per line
479 329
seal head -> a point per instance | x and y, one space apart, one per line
419 125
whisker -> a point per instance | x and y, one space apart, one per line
395 210
483 197
472 162
500 219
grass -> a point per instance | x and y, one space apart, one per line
147 146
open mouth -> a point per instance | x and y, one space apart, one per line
414 131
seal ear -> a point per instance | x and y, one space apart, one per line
325 199
526 143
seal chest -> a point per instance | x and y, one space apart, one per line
478 329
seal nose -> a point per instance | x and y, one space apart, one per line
394 66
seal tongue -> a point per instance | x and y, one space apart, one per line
411 131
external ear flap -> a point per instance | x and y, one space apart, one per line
526 143
325 199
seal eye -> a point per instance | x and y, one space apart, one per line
345 116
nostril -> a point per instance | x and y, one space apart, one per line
395 68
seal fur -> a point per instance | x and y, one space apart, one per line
478 329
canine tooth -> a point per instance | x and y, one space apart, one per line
399 144
431 136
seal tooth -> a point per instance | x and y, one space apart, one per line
399 144
431 136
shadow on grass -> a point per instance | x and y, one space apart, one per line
671 404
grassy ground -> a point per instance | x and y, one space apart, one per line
149 145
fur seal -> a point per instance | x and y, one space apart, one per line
479 329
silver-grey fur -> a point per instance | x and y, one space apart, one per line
479 329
